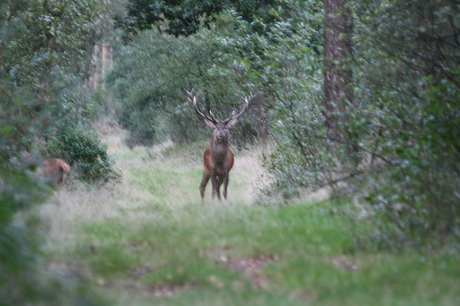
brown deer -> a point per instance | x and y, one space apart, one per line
218 158
54 170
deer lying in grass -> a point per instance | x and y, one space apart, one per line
218 158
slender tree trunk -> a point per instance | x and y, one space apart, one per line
95 66
9 12
338 90
105 62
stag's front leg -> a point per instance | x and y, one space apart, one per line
204 182
225 185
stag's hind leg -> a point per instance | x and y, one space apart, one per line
219 182
216 182
204 182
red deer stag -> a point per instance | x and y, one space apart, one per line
218 158
54 170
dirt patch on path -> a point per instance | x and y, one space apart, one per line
163 291
250 267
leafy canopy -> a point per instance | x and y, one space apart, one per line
182 17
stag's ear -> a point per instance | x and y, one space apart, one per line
209 123
231 122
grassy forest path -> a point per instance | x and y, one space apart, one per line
149 240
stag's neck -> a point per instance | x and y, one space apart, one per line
219 149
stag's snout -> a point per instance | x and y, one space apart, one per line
220 132
220 135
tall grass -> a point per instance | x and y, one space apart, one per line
150 240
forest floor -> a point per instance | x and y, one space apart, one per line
149 240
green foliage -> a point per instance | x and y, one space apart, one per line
401 155
187 17
408 116
156 72
46 55
17 245
45 48
286 67
49 44
224 63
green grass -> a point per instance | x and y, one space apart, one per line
150 241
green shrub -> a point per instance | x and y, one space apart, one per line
84 151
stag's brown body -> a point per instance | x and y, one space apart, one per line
54 170
218 161
218 158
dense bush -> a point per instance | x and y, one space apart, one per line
409 113
84 151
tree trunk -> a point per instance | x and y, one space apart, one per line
338 90
104 63
9 12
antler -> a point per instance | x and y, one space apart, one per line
192 97
245 107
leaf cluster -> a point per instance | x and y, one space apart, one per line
188 17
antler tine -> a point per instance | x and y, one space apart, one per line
211 115
247 99
245 107
191 96
193 99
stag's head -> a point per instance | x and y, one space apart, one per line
220 133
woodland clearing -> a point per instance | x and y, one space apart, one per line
149 239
